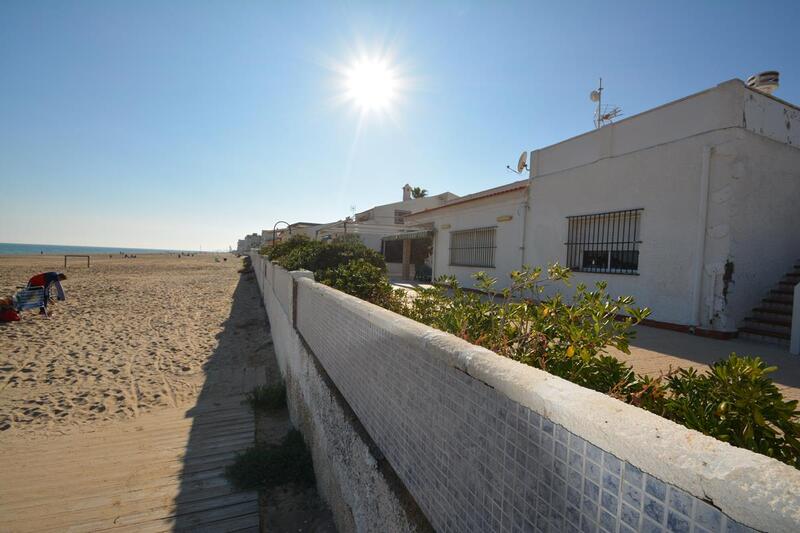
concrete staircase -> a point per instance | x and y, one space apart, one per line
772 320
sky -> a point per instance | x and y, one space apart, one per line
186 125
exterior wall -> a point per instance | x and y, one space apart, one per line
655 161
353 477
480 214
772 118
483 443
763 199
665 182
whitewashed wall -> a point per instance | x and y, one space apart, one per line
483 443
480 214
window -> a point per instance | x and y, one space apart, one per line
393 251
473 247
400 216
604 242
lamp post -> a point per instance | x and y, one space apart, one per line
275 229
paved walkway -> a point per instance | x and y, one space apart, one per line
655 350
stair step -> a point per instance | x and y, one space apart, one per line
764 333
788 283
770 321
772 311
782 291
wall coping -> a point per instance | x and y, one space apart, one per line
755 490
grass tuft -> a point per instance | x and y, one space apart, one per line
266 466
267 398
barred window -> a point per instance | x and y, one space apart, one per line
604 242
400 216
473 247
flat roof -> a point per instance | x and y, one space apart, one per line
488 193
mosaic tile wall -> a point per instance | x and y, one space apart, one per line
282 285
475 460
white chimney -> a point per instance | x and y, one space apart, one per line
406 192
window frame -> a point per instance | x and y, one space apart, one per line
605 234
484 253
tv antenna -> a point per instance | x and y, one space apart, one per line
522 164
603 114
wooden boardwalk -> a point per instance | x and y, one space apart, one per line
161 472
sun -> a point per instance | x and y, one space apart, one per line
371 84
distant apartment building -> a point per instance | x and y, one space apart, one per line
250 241
691 208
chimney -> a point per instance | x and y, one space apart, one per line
406 192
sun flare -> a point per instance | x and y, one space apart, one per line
371 84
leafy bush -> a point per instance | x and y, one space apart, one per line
266 466
283 248
267 398
363 280
735 402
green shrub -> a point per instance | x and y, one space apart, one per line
735 402
266 466
363 280
267 398
300 253
283 248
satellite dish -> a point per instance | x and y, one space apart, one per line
594 96
522 164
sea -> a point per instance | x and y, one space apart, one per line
10 248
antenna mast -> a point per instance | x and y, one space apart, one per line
603 115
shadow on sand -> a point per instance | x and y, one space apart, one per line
222 426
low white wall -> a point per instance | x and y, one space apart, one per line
356 482
485 443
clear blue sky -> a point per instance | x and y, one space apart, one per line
187 124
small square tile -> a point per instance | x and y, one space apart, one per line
591 490
656 488
609 502
611 482
632 496
608 522
677 523
592 471
681 502
707 515
611 463
630 516
648 526
633 475
594 453
654 509
560 451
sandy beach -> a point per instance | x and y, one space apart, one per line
133 335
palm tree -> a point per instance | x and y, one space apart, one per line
418 192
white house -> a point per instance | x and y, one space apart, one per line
691 207
376 226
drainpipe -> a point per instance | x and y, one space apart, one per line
702 224
525 207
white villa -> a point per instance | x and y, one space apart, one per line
692 208
380 227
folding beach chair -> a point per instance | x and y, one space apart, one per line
30 298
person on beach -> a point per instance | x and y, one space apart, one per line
46 280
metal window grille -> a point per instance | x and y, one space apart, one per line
473 247
400 216
604 242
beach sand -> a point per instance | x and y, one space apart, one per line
133 335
